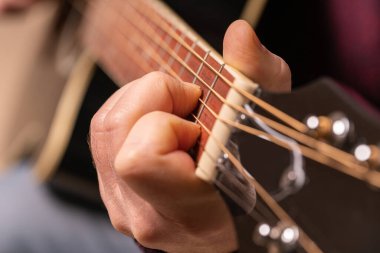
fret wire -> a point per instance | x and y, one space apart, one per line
176 48
187 58
201 66
209 91
167 39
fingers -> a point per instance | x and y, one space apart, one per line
111 124
153 92
154 164
243 50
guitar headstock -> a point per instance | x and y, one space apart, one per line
336 206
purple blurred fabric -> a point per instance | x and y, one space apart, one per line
356 28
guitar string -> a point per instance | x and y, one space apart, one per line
304 240
260 214
348 168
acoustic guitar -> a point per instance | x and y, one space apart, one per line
300 170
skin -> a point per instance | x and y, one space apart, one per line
7 5
139 141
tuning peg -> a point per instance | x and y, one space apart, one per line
368 154
334 128
279 238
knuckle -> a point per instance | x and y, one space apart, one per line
157 120
119 225
97 122
113 120
158 77
162 82
146 233
102 122
155 117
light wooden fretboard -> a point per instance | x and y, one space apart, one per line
130 38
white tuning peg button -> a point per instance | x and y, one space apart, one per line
362 152
368 153
334 128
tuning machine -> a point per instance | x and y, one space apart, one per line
277 239
335 128
369 154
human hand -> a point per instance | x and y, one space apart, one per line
139 141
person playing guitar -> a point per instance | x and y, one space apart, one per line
140 140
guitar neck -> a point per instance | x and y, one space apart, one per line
132 38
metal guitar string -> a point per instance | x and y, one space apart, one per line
296 173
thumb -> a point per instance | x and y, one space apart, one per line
243 50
